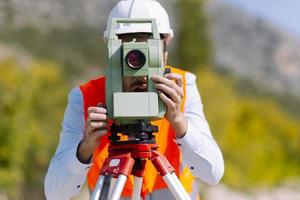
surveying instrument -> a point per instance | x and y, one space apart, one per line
132 113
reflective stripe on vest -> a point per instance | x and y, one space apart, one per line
93 94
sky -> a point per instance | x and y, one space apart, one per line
285 13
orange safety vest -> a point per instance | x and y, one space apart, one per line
93 94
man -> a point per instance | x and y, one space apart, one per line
184 135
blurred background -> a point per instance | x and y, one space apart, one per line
246 55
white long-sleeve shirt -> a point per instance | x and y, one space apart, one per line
66 174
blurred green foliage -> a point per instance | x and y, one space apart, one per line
76 48
260 140
32 102
194 49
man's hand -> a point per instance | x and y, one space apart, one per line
96 126
170 90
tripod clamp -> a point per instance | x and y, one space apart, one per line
142 131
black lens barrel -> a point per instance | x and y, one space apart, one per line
135 59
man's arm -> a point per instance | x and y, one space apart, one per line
66 174
200 151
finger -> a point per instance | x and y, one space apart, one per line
177 77
169 103
168 78
169 83
160 79
92 126
97 117
96 109
169 92
98 125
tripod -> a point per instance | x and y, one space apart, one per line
130 157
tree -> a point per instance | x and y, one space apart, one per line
260 141
32 102
193 46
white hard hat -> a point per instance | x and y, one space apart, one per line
140 9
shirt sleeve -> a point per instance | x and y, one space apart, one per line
66 174
200 151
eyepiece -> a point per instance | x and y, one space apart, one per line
135 59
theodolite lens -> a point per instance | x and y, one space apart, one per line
135 59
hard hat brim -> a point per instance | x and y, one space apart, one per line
140 29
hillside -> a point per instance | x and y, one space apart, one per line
245 45
255 49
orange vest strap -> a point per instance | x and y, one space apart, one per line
93 93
